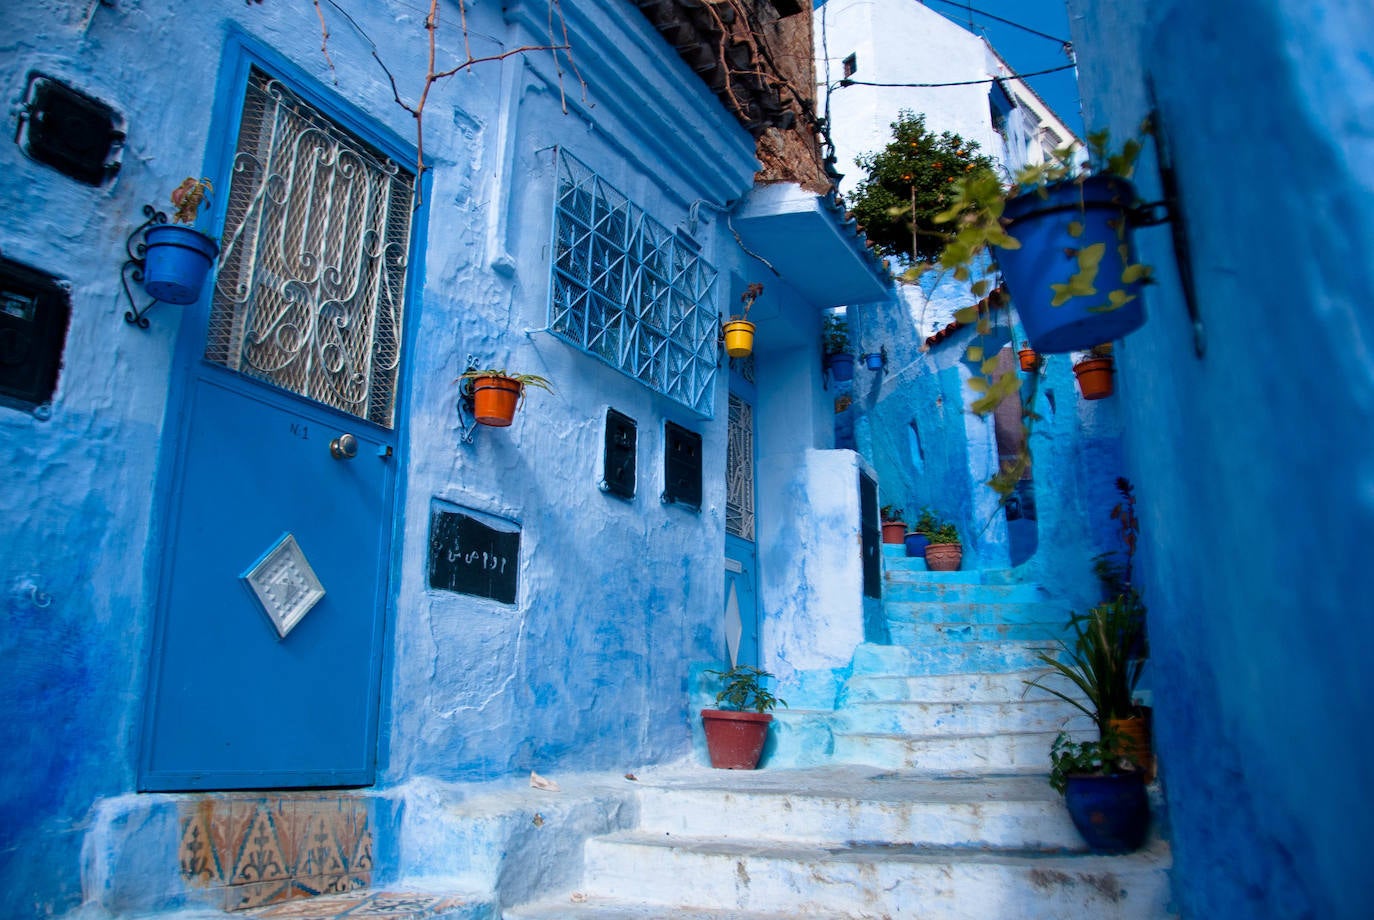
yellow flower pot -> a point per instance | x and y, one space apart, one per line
739 338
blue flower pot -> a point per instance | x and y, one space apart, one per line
1112 813
1048 255
177 260
841 367
874 361
916 544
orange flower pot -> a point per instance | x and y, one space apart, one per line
894 532
1030 360
739 338
1094 377
494 400
944 557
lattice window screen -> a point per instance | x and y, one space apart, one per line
311 285
739 478
630 291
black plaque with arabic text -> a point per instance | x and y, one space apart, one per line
470 557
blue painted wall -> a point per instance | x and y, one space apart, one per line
1252 463
617 600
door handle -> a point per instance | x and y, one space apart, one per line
344 447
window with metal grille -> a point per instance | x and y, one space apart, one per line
311 283
630 291
739 470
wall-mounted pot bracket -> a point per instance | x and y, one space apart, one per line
1170 210
132 269
467 408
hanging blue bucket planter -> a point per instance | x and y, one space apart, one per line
177 260
841 366
1052 253
916 544
874 361
1111 812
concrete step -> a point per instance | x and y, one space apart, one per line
585 908
923 719
990 612
845 804
903 585
972 754
924 634
1005 686
876 880
949 658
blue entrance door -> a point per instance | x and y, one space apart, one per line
272 612
741 554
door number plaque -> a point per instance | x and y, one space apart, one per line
284 584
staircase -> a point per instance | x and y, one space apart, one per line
933 802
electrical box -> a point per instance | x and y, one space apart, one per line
681 466
34 310
75 134
618 476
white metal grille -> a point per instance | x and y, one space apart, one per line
739 474
630 291
311 285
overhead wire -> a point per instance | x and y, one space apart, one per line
1010 76
1016 25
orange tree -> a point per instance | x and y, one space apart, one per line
909 182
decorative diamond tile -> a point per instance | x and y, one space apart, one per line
284 584
734 626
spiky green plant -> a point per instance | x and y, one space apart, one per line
1101 662
744 689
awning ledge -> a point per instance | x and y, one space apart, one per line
807 238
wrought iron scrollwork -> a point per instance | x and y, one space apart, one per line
132 270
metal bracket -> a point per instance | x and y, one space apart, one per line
132 269
467 420
1170 210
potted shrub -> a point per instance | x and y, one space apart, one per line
736 732
1104 793
1101 667
496 393
894 528
918 538
1094 372
944 552
835 336
739 331
177 257
1061 238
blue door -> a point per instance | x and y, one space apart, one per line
272 610
741 553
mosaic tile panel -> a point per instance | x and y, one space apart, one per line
261 851
372 905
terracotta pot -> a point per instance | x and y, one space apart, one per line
944 557
739 338
1094 377
1030 360
735 739
1134 736
494 400
894 532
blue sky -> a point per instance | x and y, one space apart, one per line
1024 51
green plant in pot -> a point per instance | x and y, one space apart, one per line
894 528
1097 670
496 393
918 538
736 732
1061 238
835 343
944 552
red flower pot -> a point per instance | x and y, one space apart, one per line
894 532
735 739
